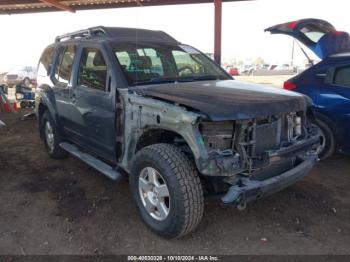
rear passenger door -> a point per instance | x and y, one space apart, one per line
92 98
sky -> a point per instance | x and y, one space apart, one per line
23 37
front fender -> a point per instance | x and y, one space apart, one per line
144 113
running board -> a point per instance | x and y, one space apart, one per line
97 164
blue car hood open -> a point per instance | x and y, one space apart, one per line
318 35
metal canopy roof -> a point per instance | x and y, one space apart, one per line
33 6
8 7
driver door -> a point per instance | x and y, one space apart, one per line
93 98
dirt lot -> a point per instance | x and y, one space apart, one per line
276 81
64 207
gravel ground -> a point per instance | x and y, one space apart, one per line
64 207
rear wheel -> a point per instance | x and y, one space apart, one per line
167 190
51 137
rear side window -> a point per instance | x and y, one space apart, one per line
63 70
92 69
342 76
45 62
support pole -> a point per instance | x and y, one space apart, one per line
217 32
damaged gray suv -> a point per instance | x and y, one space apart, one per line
139 104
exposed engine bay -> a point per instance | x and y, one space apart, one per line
247 146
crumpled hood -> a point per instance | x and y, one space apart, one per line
228 99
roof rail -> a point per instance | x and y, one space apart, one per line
86 33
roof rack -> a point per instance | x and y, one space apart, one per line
86 33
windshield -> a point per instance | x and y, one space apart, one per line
154 63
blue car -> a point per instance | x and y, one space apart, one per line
327 83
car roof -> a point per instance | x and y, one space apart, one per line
101 33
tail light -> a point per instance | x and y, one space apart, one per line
289 85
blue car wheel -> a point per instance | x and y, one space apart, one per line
327 140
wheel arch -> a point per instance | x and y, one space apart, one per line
155 135
45 106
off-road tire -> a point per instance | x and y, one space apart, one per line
185 189
57 152
330 143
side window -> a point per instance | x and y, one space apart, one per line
65 62
92 69
45 62
342 76
124 59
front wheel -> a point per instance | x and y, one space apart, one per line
167 190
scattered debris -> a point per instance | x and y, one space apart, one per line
264 240
22 251
28 116
105 198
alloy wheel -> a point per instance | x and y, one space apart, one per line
154 193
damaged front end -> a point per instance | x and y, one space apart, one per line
258 156
244 158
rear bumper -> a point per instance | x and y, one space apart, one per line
249 190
